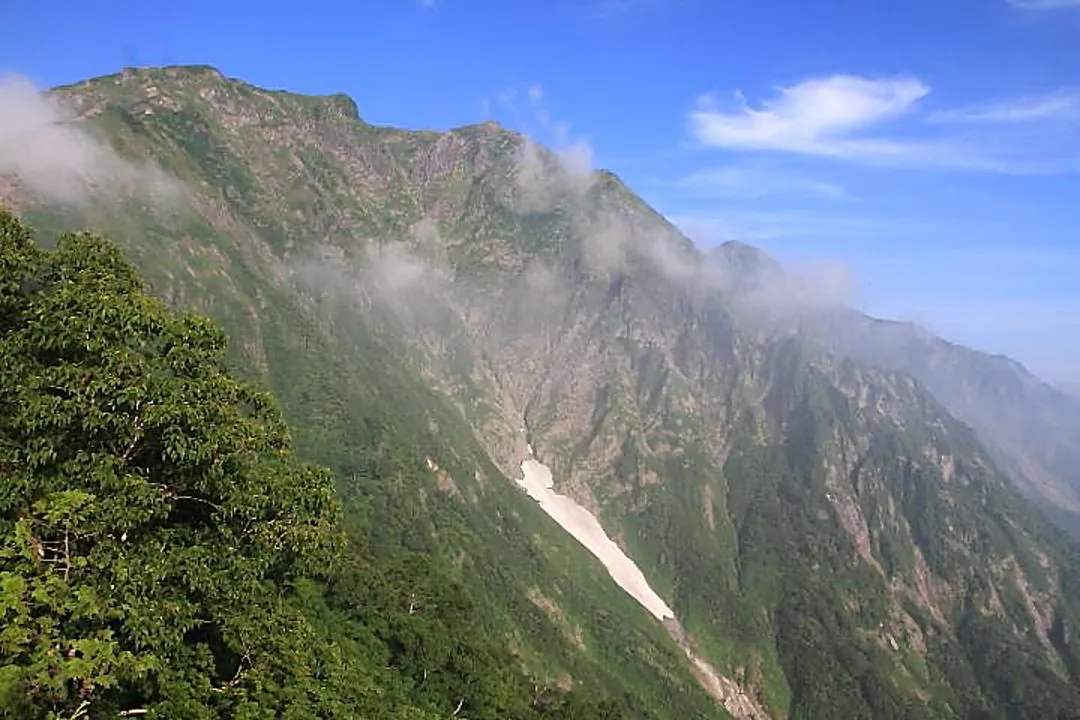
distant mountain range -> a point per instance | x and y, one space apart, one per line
1031 428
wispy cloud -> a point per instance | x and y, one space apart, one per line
531 115
1060 105
755 180
1072 387
822 116
1044 4
721 225
543 176
48 150
878 121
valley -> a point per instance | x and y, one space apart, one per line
584 528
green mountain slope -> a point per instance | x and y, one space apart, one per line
359 409
164 554
1033 429
830 538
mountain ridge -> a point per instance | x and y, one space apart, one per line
762 482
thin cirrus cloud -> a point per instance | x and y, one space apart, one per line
1044 4
752 181
847 117
721 224
1062 105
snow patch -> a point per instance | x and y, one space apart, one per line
586 529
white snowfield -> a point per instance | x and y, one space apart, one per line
586 529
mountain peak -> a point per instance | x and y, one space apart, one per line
744 253
134 85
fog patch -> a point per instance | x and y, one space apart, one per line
761 288
545 179
393 268
400 275
425 234
45 147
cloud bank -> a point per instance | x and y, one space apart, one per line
545 178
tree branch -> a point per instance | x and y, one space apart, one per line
136 430
238 676
172 495
80 711
67 555
192 498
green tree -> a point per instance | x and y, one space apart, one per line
152 514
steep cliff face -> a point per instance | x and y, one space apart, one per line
833 542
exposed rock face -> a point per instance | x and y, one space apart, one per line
728 693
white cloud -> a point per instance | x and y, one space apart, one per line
820 116
394 268
544 177
842 117
750 181
768 289
1060 105
46 148
1044 4
507 97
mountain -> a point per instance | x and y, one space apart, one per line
432 309
1031 428
163 553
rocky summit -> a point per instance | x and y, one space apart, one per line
849 518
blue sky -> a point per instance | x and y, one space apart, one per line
932 147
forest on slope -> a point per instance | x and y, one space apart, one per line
163 553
